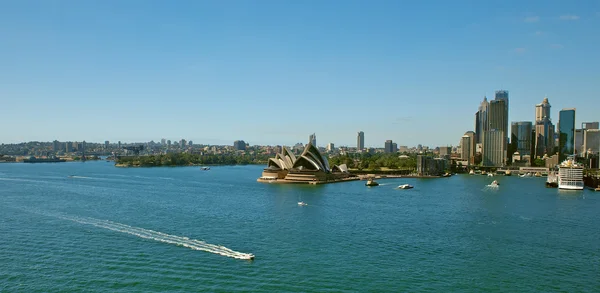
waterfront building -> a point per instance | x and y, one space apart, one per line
520 138
239 145
388 148
566 131
544 130
493 148
427 165
360 141
309 166
313 139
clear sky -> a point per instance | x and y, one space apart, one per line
273 72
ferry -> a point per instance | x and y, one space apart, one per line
552 180
570 175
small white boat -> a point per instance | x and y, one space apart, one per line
494 184
405 186
204 168
472 172
490 174
302 204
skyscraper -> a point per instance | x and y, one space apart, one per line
520 138
239 145
313 139
502 95
106 144
497 121
471 147
544 130
360 141
566 138
55 146
481 120
493 149
388 148
465 147
330 147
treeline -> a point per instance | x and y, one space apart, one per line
185 159
374 161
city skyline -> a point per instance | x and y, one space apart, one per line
212 73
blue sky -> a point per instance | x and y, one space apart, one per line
272 72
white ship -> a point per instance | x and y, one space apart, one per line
570 175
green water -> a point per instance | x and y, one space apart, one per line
61 233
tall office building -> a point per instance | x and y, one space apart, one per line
163 141
465 147
544 130
520 138
591 142
182 143
68 147
106 144
502 95
566 132
360 141
481 120
493 148
313 139
239 145
55 146
168 143
330 147
497 121
388 148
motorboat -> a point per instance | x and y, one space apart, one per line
507 173
494 184
405 186
302 204
490 174
472 172
446 175
204 168
371 182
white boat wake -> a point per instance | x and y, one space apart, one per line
161 237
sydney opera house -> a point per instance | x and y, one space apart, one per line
308 167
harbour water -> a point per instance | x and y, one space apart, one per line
91 227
